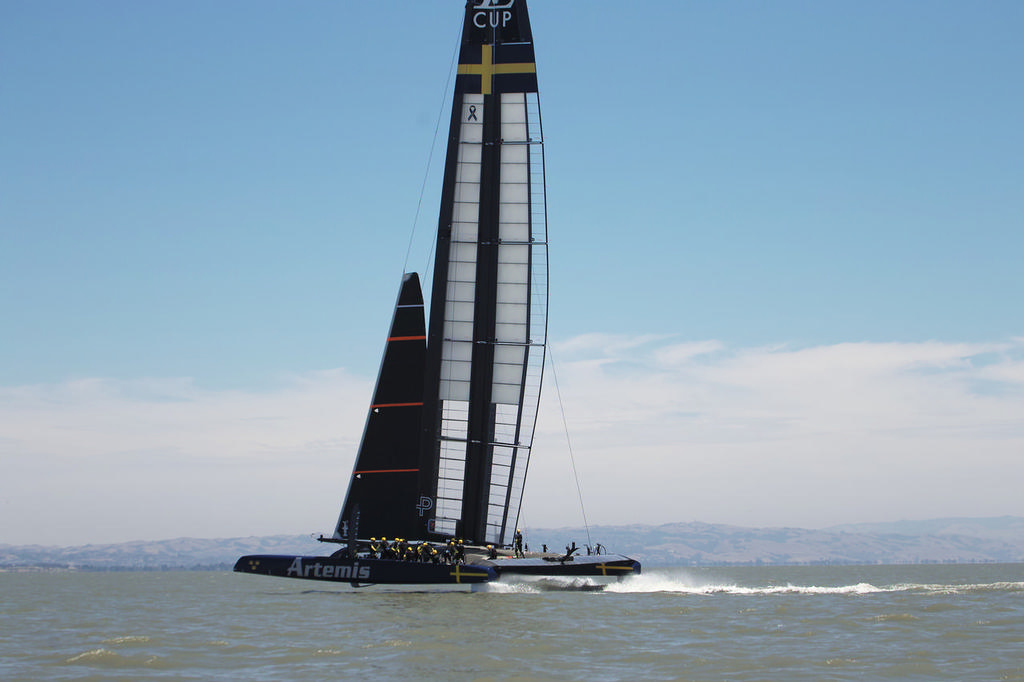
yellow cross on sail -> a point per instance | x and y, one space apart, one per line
487 69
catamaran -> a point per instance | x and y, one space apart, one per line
449 433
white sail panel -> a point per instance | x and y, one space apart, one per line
515 222
511 314
514 173
514 253
461 291
509 355
466 212
513 273
511 375
457 372
515 193
468 172
456 350
513 117
515 293
514 153
459 352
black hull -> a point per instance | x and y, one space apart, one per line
358 572
610 565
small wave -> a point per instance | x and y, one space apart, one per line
388 643
127 639
94 655
104 657
969 588
895 618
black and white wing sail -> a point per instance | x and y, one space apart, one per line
488 316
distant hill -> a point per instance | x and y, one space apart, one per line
180 553
935 541
955 540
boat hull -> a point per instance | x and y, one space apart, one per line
359 571
605 565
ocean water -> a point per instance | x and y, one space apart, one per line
708 624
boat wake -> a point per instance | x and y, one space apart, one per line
655 583
547 584
680 584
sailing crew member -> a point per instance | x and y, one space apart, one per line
374 549
460 553
519 544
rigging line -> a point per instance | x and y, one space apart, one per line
430 156
568 440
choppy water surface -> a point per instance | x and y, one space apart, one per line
778 623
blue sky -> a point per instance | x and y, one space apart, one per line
205 210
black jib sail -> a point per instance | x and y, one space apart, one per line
385 478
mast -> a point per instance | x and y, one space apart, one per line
488 313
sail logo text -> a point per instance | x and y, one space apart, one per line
493 13
318 570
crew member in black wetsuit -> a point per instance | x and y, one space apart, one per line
519 544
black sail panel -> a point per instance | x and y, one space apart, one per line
488 314
383 491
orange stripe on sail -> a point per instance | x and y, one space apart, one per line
406 338
374 407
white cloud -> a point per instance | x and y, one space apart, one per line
662 431
102 460
800 436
